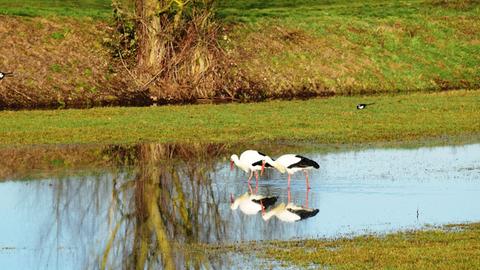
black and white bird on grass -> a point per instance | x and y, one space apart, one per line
362 106
5 74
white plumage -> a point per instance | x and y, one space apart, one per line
252 161
295 163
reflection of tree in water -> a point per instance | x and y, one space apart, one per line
169 202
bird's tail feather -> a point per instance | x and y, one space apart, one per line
272 212
279 167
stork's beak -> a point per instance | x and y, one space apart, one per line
231 165
231 198
263 167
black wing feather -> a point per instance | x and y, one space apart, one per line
267 201
260 153
304 163
259 163
304 213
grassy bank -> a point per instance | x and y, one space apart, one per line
99 9
331 121
454 247
274 49
350 47
59 62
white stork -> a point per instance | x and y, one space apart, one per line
294 163
252 161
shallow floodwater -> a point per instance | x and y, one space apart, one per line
152 214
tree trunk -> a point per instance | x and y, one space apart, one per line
150 47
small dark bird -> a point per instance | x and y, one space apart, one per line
362 106
5 74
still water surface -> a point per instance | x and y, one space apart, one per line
147 215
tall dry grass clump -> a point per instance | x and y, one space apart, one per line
177 57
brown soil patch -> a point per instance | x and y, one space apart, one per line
57 62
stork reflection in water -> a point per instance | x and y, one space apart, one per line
251 204
290 212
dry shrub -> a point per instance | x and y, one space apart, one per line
188 61
192 62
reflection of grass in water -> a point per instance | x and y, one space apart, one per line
329 121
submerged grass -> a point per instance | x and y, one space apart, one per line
330 121
453 247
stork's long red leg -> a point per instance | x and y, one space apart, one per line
289 182
306 198
306 177
256 185
249 178
288 196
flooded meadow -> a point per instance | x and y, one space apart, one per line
154 206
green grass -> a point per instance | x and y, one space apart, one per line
457 247
356 46
45 8
330 121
